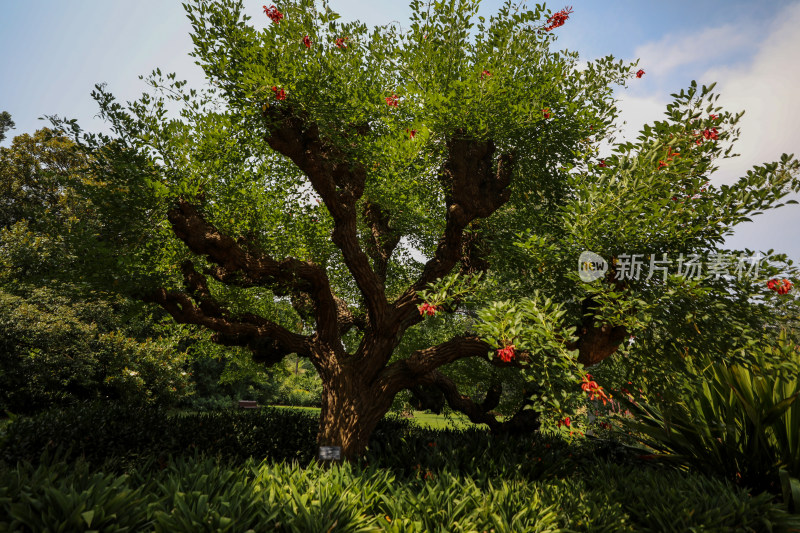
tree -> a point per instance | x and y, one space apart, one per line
60 340
5 124
279 209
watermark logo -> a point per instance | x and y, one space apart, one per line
626 266
591 266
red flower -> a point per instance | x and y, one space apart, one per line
546 112
639 73
713 117
603 164
506 354
558 19
428 309
280 94
710 134
307 41
661 165
565 422
782 286
412 133
431 444
339 42
595 391
273 13
392 101
485 74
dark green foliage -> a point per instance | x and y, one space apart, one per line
202 494
5 124
101 431
70 497
412 479
735 422
58 350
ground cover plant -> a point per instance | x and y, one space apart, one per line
140 472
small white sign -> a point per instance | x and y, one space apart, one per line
330 453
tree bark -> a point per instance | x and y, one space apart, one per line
350 410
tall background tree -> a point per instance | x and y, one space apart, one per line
5 124
285 209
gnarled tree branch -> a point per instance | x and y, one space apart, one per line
523 421
382 241
237 266
340 184
268 341
476 185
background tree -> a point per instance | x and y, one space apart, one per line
5 124
61 339
281 208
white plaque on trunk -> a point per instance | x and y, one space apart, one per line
330 453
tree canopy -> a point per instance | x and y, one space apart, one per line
405 208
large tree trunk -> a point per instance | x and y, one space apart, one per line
350 411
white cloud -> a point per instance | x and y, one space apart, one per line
758 73
662 58
766 89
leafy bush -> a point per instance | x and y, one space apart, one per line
200 494
737 422
412 479
99 432
64 497
54 353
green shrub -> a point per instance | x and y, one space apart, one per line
201 494
54 353
102 431
737 422
68 497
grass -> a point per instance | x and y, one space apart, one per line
423 419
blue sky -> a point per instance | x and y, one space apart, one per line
54 53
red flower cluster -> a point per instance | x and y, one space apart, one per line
411 133
339 42
661 165
711 134
273 13
392 101
485 74
428 309
307 41
603 164
506 354
780 286
280 94
565 422
713 117
546 112
558 19
639 73
595 391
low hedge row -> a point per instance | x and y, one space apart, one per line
116 436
